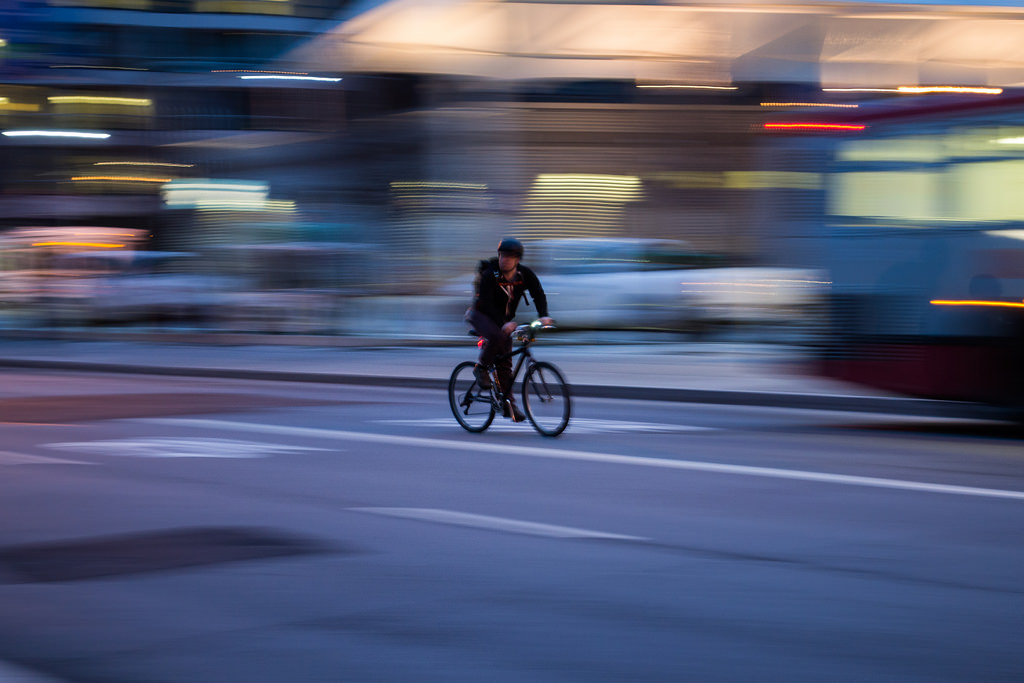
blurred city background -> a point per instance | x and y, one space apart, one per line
813 172
237 240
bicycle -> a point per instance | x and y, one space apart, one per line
546 399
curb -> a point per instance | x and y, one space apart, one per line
561 337
822 402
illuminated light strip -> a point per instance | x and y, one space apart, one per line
814 126
923 89
90 99
98 245
968 302
667 86
860 90
55 134
763 283
103 233
290 78
1010 141
219 186
416 185
918 90
18 106
269 205
134 179
258 71
588 179
823 105
94 66
142 163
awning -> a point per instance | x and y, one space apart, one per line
834 44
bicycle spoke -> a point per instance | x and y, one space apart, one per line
470 404
546 399
540 387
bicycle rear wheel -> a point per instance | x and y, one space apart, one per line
546 399
470 403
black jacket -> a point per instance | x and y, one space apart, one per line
498 299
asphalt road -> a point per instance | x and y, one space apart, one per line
175 529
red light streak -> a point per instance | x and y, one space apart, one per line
814 126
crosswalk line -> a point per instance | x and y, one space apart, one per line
515 526
11 458
576 425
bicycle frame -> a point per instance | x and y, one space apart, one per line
525 359
545 393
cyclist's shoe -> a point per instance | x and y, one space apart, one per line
511 410
482 378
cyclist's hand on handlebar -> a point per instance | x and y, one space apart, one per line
508 328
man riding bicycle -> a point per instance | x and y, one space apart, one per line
501 283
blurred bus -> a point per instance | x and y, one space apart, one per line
35 270
921 227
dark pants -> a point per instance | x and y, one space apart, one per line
495 343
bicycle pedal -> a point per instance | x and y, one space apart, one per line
513 413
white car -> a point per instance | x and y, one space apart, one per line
622 283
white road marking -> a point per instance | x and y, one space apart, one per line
9 458
475 445
176 447
514 526
578 425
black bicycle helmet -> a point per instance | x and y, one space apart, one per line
511 245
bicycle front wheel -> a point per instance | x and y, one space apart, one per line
471 404
546 399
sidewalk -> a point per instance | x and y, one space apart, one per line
741 373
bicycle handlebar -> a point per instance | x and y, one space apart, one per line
528 332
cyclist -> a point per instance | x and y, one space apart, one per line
500 284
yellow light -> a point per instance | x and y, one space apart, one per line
97 245
824 105
429 185
770 179
969 302
90 99
7 105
